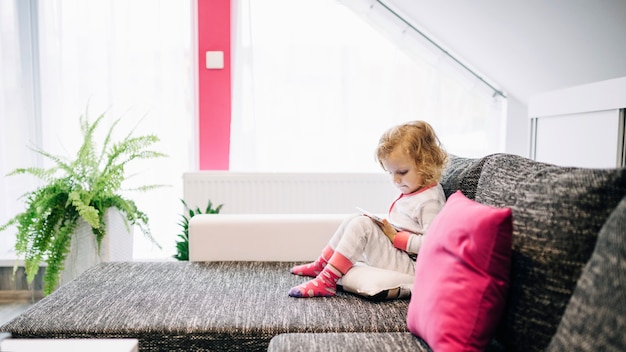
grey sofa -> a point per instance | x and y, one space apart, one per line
567 292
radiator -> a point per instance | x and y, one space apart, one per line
289 193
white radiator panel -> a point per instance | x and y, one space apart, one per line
289 193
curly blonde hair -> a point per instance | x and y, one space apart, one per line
418 139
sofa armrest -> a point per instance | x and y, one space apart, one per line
260 237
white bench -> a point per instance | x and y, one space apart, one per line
260 237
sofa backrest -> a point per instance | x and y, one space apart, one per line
461 174
594 317
557 215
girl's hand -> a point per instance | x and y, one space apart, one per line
389 230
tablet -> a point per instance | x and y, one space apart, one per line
378 219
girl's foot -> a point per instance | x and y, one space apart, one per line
311 269
315 268
324 285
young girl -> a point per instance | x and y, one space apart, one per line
412 154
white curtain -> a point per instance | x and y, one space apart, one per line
314 85
317 81
128 59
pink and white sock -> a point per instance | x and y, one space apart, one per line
315 268
325 284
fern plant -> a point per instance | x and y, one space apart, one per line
80 189
182 245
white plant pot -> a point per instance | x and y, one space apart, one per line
116 246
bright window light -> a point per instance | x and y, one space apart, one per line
315 85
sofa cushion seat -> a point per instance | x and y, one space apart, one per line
343 342
171 306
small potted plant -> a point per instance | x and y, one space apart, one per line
182 245
74 191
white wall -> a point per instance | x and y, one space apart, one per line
527 47
517 139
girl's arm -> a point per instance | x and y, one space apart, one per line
410 242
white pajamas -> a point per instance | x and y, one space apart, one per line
360 239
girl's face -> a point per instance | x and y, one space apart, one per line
403 170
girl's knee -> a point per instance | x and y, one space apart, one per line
362 223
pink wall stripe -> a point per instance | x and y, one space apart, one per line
214 85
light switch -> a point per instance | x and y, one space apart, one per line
214 60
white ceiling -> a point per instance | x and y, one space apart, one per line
531 46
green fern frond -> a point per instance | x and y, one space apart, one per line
60 162
146 188
147 154
11 222
81 200
86 152
60 247
107 141
40 173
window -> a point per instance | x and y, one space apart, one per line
129 59
315 85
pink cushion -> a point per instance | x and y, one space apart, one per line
462 276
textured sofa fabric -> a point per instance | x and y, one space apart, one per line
557 215
354 342
185 306
347 342
462 174
595 318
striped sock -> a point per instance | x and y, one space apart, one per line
324 285
315 268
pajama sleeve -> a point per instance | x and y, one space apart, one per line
410 242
